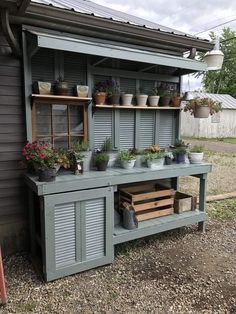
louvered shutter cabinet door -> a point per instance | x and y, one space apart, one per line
167 129
78 231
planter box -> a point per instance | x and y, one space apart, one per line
184 202
148 200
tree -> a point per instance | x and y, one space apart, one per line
223 81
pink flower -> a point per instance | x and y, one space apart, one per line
42 156
27 158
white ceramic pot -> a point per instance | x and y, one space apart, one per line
82 90
142 100
126 99
128 164
139 161
195 158
112 159
155 164
87 160
153 101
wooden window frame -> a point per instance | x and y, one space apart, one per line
69 101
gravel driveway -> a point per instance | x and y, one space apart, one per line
177 272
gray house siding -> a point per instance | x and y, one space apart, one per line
13 232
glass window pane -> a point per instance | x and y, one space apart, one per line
60 121
43 120
76 120
60 141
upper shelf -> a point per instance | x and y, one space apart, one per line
137 107
59 99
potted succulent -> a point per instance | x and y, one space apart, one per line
100 160
61 87
141 98
43 158
100 92
126 98
153 99
126 159
196 154
202 107
176 100
155 160
179 154
113 92
165 98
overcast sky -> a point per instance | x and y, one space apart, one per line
188 16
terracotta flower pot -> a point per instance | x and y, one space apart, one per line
99 98
176 101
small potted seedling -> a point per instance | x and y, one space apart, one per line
165 98
61 87
138 156
141 98
196 154
153 99
176 100
107 147
126 159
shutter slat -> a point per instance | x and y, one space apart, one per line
146 128
65 242
95 236
166 129
102 126
127 128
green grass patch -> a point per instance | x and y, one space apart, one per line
230 140
222 209
26 307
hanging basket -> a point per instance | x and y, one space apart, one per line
201 112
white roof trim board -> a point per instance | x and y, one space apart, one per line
89 7
105 49
228 102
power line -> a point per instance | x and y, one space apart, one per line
215 26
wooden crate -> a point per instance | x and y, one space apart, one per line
183 202
148 200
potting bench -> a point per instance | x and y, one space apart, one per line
72 219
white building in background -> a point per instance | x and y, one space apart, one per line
221 124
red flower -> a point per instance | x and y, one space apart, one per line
42 156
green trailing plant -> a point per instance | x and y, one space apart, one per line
214 106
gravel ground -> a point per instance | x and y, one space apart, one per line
181 271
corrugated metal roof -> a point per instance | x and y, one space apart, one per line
88 7
228 102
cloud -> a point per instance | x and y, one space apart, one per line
190 17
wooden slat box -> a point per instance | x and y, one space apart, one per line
148 200
183 202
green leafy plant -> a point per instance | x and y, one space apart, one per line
214 106
125 155
180 150
100 157
154 156
135 151
196 149
80 146
106 145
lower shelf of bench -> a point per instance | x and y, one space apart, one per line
157 225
